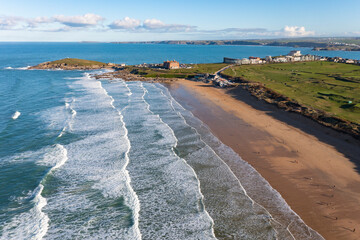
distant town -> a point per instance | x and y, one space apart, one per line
216 79
316 43
292 56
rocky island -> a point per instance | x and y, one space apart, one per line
74 64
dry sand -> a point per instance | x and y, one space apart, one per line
314 168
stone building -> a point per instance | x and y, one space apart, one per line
171 64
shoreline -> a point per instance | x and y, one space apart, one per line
314 168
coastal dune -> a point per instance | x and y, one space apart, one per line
313 167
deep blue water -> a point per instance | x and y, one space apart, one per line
82 158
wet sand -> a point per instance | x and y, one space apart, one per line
314 168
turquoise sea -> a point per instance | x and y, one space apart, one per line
82 158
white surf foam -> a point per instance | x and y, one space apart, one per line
166 186
56 118
29 225
23 68
61 117
17 68
55 158
201 200
199 154
95 174
16 115
69 106
135 201
258 187
34 223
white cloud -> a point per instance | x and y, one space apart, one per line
42 20
126 23
295 31
251 33
149 25
86 20
19 23
93 22
244 30
35 22
9 22
157 25
153 24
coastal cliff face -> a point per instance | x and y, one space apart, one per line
72 64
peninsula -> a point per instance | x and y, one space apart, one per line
74 64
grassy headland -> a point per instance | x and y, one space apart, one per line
330 87
77 61
71 64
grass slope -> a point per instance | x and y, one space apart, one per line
332 87
177 73
77 62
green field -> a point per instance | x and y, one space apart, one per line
176 73
331 87
78 62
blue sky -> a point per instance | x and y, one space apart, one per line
78 20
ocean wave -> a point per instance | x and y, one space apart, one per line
284 219
17 68
69 106
94 181
135 200
167 188
34 223
207 164
59 117
29 225
201 200
15 115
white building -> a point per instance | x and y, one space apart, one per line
245 61
280 59
294 53
268 58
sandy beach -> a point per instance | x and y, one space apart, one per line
314 168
